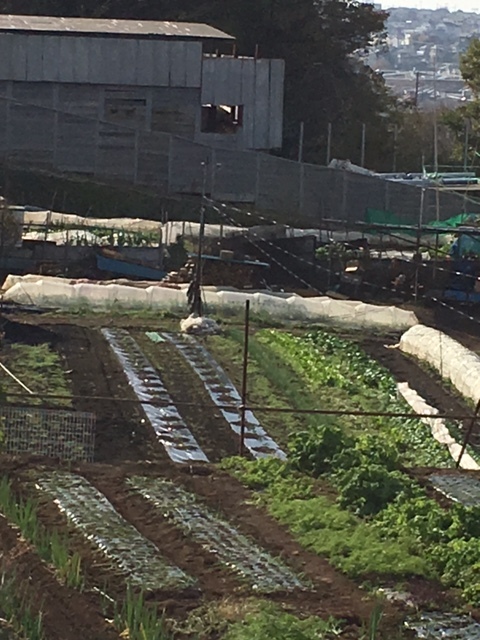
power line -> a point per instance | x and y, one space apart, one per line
216 207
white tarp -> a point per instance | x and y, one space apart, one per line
451 359
60 293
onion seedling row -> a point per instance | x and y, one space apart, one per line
231 548
89 511
167 423
223 392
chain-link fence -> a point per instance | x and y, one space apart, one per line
68 435
68 143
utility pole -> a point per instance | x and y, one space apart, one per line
465 150
395 137
417 87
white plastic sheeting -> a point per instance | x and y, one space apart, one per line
60 293
437 425
451 359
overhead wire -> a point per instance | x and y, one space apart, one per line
221 208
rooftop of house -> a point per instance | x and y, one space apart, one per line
108 27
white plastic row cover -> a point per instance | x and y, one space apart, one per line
60 293
451 359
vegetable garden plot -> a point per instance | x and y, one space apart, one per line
223 392
91 513
464 489
445 626
167 423
231 548
68 435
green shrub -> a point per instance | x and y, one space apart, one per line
313 450
368 489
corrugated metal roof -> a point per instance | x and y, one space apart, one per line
47 24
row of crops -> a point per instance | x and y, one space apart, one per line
224 394
169 426
217 537
138 560
345 491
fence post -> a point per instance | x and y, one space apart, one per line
8 123
301 195
55 127
170 164
344 195
257 179
136 151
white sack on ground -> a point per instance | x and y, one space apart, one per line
437 425
61 293
451 359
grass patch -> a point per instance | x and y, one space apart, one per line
269 621
40 368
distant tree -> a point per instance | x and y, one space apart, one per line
470 66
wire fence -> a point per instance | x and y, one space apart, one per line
67 435
70 143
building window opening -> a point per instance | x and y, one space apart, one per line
221 118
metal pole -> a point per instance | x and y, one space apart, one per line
435 113
417 252
243 408
329 143
300 142
465 151
364 138
468 434
197 300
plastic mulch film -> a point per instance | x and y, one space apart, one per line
445 626
460 488
261 571
223 393
171 430
89 511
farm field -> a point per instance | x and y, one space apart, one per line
346 524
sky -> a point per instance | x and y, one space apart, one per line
464 5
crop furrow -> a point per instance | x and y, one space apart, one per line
89 511
232 549
167 423
223 393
